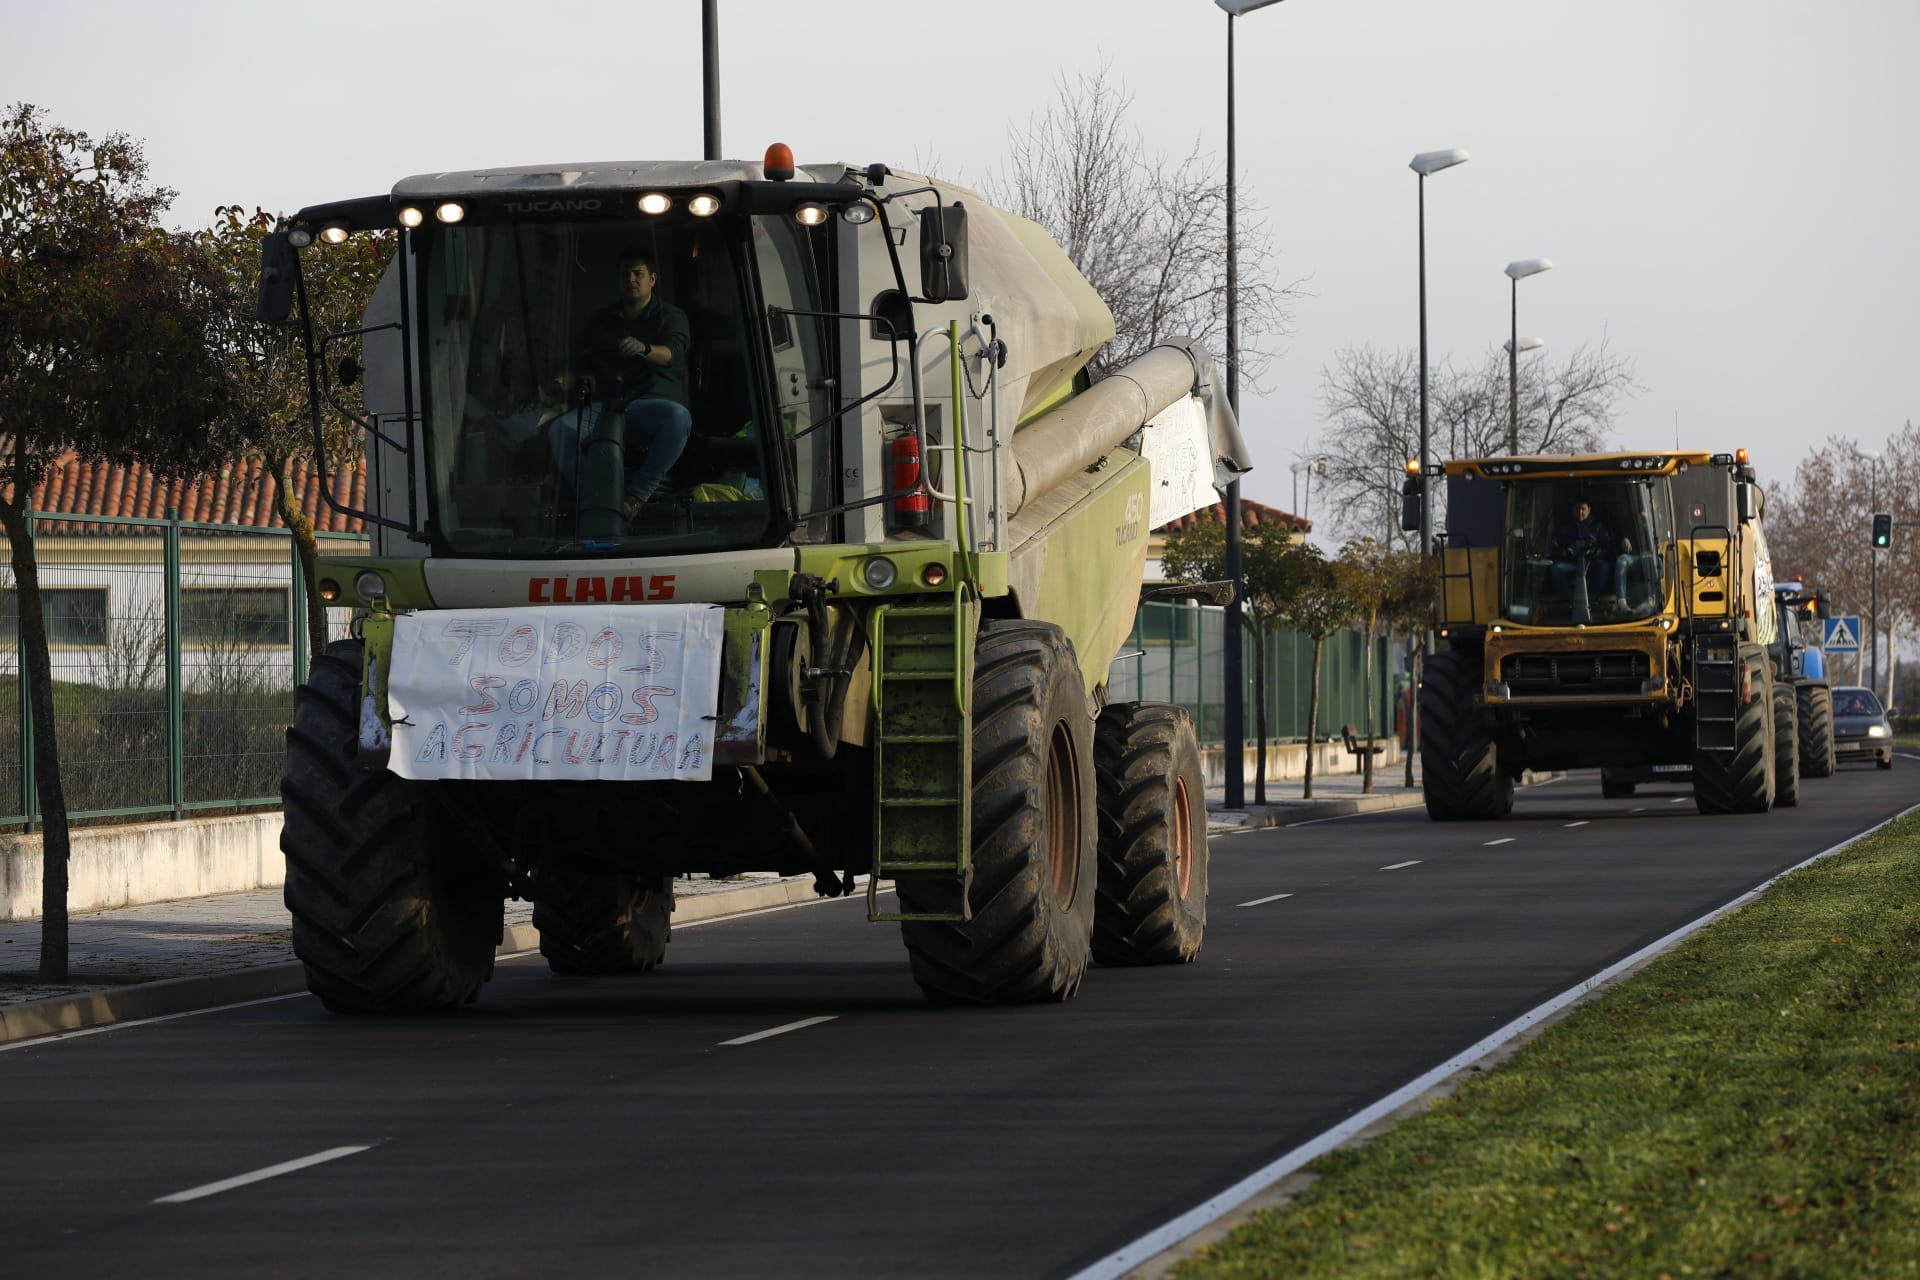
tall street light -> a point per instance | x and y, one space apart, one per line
1427 162
1516 272
1872 457
1309 467
1513 347
1232 675
710 78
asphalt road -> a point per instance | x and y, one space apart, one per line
585 1127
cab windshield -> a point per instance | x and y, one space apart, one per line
1584 551
593 388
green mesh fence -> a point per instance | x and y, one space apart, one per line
175 649
1174 655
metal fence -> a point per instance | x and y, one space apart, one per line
1174 655
175 646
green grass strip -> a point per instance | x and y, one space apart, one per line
1746 1105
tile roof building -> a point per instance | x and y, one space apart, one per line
239 493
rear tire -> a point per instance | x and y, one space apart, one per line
1460 773
1741 781
1815 714
1152 902
1033 869
594 920
387 916
1786 748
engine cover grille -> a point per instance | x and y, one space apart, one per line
1563 673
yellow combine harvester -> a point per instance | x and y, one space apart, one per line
1611 610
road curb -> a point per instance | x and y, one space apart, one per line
104 1008
1260 817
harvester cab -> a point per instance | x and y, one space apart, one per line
734 517
1613 610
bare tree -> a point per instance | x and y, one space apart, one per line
1148 232
1371 402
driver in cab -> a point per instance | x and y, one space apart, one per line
1582 554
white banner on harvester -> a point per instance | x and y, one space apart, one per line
626 693
1177 449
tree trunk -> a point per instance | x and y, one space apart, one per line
308 550
1260 709
37 670
1313 714
1366 684
1414 644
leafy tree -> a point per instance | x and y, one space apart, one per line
1388 585
1326 601
1273 567
104 352
267 414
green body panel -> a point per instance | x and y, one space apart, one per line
1081 572
842 563
406 580
923 744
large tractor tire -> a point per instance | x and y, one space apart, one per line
388 916
1152 902
594 920
1460 771
1741 781
1815 714
1786 748
1033 873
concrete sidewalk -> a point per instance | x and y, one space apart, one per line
1334 796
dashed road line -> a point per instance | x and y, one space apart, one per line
1641 809
1583 822
1261 902
1396 866
781 1029
1502 840
1679 799
260 1175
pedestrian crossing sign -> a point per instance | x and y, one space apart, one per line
1843 635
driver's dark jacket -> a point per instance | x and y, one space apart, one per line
1590 535
623 377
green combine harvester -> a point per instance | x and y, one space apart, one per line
732 517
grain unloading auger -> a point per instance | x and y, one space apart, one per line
733 517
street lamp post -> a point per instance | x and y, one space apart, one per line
1872 457
1232 672
1310 467
1423 164
1516 272
710 79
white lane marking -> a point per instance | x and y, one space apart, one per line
1679 799
1583 822
782 1030
1502 840
1396 866
260 1175
1171 1233
1641 809
1261 902
1907 755
144 1022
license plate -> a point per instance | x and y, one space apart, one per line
1673 768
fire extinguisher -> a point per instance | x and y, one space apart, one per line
912 506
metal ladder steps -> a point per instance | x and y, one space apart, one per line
924 745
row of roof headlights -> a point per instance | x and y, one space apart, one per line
703 205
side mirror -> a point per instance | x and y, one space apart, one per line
1748 501
1410 505
943 253
279 273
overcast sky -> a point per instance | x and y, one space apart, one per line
1721 184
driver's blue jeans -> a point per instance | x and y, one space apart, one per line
1567 574
663 426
